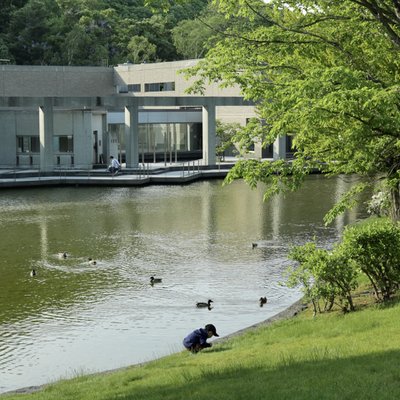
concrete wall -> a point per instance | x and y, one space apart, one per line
235 114
69 82
164 72
79 124
83 139
27 80
8 147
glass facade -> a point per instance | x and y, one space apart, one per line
157 142
161 137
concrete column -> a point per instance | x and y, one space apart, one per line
132 135
209 135
280 148
46 130
83 139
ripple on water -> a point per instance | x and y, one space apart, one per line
196 238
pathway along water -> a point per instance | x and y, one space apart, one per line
82 318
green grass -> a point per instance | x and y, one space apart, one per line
333 356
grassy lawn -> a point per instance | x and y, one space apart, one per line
333 356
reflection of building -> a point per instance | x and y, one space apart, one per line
78 116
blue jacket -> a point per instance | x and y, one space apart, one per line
199 336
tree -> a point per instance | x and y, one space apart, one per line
156 30
226 133
189 38
29 35
4 52
327 276
141 50
194 37
87 26
375 248
89 32
325 72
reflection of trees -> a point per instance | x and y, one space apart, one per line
114 225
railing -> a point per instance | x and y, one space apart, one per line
191 168
74 175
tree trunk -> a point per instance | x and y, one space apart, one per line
350 301
395 206
376 294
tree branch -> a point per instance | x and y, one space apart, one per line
385 16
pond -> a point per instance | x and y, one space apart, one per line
75 318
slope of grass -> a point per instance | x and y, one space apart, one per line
332 356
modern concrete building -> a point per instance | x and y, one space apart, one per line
78 116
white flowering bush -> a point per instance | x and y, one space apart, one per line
379 204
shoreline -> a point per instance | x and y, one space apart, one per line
287 313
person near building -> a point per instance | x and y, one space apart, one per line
114 166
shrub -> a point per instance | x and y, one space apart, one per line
375 248
327 276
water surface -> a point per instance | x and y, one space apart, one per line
75 318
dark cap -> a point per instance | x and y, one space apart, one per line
211 328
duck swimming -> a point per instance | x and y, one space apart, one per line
62 255
91 261
263 300
254 245
155 280
33 273
203 305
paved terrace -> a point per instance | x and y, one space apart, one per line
148 174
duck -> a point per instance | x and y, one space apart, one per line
203 305
33 273
62 255
263 300
254 245
91 261
155 280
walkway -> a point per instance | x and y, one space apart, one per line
148 174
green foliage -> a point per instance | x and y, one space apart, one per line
92 32
141 50
193 38
29 35
324 72
372 248
278 176
190 37
375 248
226 133
326 276
347 201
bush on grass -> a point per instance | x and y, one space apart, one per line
329 277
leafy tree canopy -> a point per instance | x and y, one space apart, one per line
90 32
193 38
325 72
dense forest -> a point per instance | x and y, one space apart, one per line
104 32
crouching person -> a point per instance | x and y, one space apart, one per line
197 340
114 166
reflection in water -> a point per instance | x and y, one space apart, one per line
77 317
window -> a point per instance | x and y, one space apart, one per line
28 144
122 89
134 87
63 144
168 86
159 87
